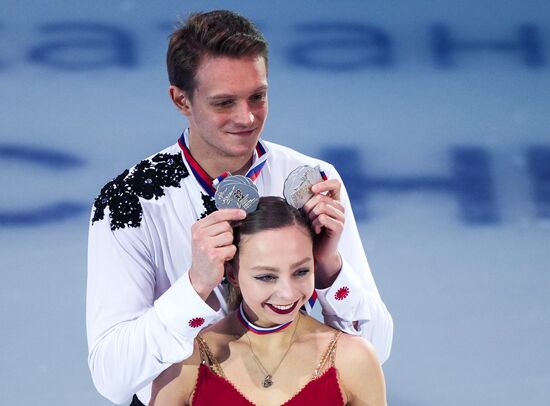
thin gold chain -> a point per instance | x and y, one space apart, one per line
284 355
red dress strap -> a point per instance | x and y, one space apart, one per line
208 358
328 357
323 389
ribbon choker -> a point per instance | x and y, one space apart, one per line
256 329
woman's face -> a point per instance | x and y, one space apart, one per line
275 274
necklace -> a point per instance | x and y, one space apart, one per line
257 329
268 379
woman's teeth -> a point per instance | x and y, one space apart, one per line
283 307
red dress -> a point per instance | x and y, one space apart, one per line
213 388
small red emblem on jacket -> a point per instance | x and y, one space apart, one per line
341 293
196 322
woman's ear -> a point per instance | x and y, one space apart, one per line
231 273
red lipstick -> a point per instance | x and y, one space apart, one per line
280 311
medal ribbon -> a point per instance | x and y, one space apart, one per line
308 306
209 184
256 168
257 329
216 181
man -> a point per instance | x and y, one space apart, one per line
157 245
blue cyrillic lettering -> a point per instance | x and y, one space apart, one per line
345 47
470 183
82 46
527 45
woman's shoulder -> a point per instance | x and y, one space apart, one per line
350 345
353 350
350 349
359 369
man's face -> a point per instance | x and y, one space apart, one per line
229 106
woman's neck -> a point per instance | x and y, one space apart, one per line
278 339
243 313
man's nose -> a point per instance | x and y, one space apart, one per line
243 115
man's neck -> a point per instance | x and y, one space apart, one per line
215 164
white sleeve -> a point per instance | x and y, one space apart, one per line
131 337
353 304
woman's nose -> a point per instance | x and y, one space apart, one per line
286 291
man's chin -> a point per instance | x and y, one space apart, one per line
242 150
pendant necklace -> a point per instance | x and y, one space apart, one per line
268 379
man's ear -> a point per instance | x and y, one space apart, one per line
180 100
231 273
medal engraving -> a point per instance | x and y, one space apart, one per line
297 187
237 192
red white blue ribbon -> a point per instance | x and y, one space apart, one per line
216 181
209 184
257 166
257 329
308 306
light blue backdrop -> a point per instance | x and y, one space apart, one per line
435 112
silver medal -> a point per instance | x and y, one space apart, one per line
236 192
297 187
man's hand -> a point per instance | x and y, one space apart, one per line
327 217
211 246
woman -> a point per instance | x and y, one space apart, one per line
267 352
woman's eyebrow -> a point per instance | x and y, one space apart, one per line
301 262
274 269
264 268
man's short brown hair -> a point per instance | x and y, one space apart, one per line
214 33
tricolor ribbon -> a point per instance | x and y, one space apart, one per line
261 158
209 184
308 306
257 329
217 181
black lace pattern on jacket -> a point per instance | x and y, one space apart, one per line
147 180
209 205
